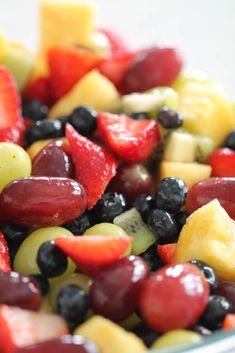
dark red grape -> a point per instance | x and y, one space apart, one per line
227 290
115 291
54 161
18 290
42 201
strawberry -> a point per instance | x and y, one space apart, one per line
94 166
67 65
5 265
11 122
222 161
21 327
39 89
229 322
115 67
167 253
132 141
117 43
92 253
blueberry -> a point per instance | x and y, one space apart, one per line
108 207
171 194
51 261
152 258
209 273
180 218
64 119
83 119
169 119
144 204
34 110
163 226
14 234
140 116
230 141
217 308
72 304
79 225
42 282
43 130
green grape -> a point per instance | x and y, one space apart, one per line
78 279
205 147
169 97
25 259
131 322
14 163
177 338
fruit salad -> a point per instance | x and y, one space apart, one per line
117 184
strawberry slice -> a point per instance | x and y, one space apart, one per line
11 122
132 141
117 43
222 161
39 89
92 253
5 265
20 328
67 66
229 322
94 166
115 67
167 252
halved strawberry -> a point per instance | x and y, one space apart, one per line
19 328
5 265
167 252
117 43
229 322
222 161
91 253
131 140
94 166
39 89
11 122
115 67
67 65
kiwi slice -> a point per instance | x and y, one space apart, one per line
134 226
205 146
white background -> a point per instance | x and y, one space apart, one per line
204 30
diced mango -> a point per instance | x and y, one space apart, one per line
209 236
65 21
191 173
94 90
110 337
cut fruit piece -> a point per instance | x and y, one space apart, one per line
133 225
93 90
65 21
117 43
209 236
90 252
67 65
5 265
99 45
191 173
131 140
94 166
175 338
180 147
110 337
3 46
20 328
167 252
222 162
229 322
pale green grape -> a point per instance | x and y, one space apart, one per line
177 338
14 163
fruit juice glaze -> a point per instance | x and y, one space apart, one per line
117 184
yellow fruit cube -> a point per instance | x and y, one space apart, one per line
94 90
3 46
209 236
65 21
180 147
191 173
110 337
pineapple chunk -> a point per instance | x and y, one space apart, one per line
191 173
205 108
209 236
180 147
94 90
65 21
3 46
110 337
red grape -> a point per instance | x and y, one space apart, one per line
209 189
18 290
65 344
150 68
227 290
42 201
174 297
132 180
115 291
53 160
